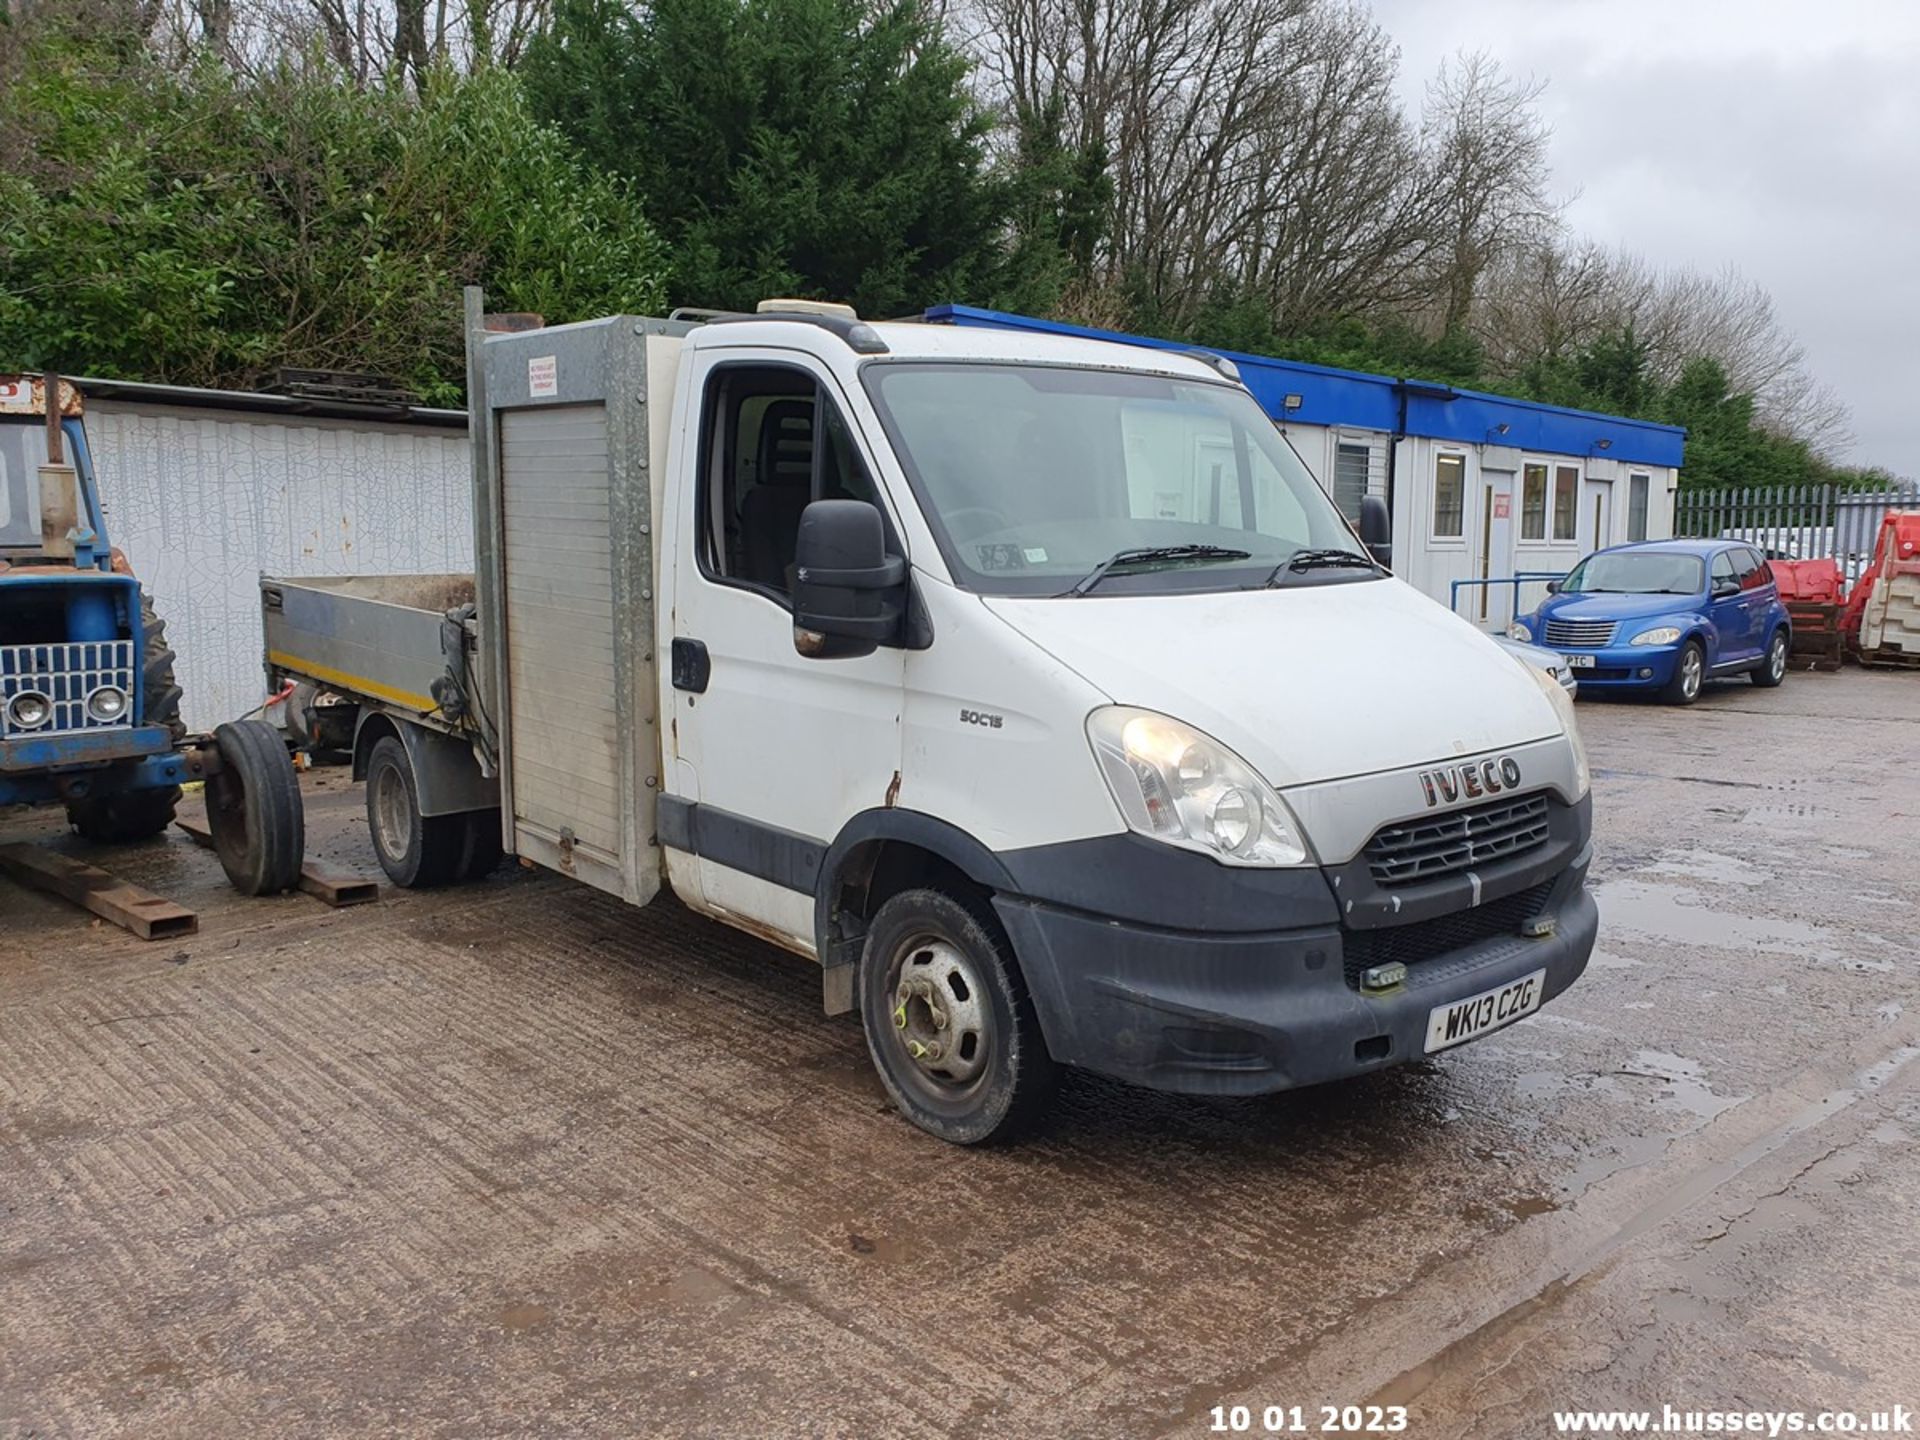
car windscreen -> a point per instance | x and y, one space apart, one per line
23 450
1637 572
1033 475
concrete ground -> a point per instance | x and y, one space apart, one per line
513 1159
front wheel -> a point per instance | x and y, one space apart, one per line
1689 673
949 1023
1773 669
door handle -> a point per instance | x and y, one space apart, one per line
692 666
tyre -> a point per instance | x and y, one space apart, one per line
254 809
1773 669
129 815
949 1023
1689 674
140 814
417 851
482 853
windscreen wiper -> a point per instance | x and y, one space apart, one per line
1302 561
1149 553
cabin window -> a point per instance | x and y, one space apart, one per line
1566 492
1449 496
1637 487
1533 502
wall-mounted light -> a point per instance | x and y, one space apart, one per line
1291 402
1603 444
1500 429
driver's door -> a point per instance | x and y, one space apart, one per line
771 752
1727 609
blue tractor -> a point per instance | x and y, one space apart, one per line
89 707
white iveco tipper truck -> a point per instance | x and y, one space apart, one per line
1030 685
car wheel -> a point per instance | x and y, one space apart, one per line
1773 669
949 1023
1689 674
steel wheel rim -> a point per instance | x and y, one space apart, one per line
390 809
938 1016
1691 666
1777 658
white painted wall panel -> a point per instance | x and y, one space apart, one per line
204 501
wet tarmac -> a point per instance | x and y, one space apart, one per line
513 1159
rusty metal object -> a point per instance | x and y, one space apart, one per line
144 914
323 882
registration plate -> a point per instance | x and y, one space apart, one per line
1464 1020
1580 662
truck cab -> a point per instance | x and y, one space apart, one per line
1028 684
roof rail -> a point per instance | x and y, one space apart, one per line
860 337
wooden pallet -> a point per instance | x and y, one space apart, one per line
1816 633
1887 658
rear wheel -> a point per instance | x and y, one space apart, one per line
1689 674
254 809
140 814
417 851
949 1023
483 850
1773 669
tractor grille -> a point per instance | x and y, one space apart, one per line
66 675
1422 849
1430 939
1579 634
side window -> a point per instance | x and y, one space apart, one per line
1533 502
1449 496
773 442
1753 571
1637 486
1722 568
1566 485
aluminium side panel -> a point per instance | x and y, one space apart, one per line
568 631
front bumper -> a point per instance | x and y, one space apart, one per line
46 770
1203 1012
1626 667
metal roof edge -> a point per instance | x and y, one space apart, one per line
260 403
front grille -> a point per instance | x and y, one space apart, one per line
1579 634
66 675
1430 939
1422 849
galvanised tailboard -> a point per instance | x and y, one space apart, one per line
596 371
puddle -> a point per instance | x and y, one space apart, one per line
1711 867
524 1316
1684 1084
1628 1153
1676 913
1605 960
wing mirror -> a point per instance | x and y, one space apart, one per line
1553 587
1724 588
1376 528
849 594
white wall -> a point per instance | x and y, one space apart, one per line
204 501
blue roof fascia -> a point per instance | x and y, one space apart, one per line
1323 395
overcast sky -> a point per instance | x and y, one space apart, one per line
1783 138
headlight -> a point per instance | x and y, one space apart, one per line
107 704
1174 784
1563 707
1663 635
29 710
1518 631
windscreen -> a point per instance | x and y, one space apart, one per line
1637 572
23 450
1034 475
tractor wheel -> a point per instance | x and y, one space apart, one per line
254 809
140 814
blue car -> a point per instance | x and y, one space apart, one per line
1665 616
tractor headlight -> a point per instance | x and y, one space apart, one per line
29 710
1174 784
1562 703
107 704
1661 635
